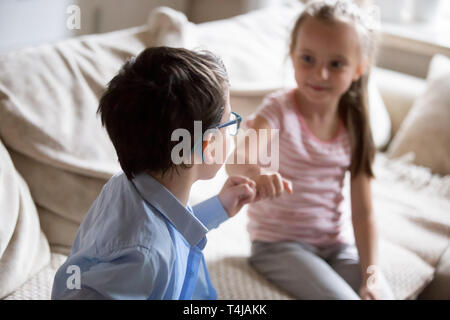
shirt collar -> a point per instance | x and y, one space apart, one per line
170 207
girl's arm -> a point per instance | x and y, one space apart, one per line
364 228
250 170
268 184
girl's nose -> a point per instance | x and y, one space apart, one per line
323 72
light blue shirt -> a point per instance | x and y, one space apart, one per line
139 242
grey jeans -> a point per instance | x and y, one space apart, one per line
307 272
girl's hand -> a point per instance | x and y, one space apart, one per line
271 184
370 289
236 192
370 293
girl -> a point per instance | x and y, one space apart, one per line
305 242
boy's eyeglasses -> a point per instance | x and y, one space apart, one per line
233 125
232 128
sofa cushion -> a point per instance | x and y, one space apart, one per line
24 248
39 286
398 91
425 132
48 102
62 198
411 206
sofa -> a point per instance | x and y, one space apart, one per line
55 156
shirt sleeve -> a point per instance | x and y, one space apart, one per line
270 110
132 273
210 212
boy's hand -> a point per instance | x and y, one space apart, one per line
236 192
271 184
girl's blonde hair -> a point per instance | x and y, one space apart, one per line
353 105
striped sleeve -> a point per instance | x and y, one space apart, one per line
270 109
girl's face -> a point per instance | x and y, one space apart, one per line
326 59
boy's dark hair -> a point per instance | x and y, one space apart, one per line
161 90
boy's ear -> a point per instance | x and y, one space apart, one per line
206 152
205 145
361 68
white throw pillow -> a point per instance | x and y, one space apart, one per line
439 67
23 247
425 131
399 91
380 121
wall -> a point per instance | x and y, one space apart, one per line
206 10
25 22
31 22
119 14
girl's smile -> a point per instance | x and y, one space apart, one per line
318 88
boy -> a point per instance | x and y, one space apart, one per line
139 239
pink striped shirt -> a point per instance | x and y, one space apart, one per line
314 213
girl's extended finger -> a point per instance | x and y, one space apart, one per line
288 186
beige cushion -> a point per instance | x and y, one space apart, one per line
48 102
425 131
62 201
23 247
39 286
411 207
398 91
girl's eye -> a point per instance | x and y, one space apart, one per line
336 64
307 58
